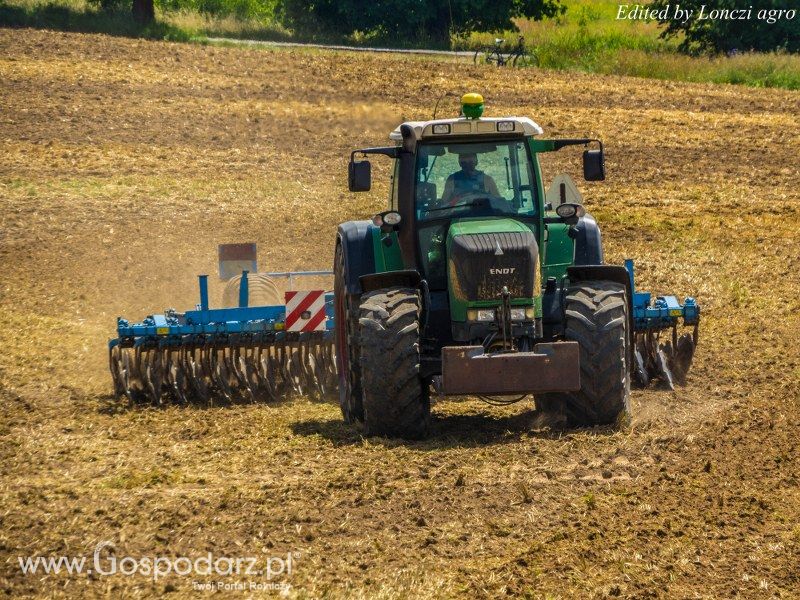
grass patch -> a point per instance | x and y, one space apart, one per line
754 69
198 25
181 25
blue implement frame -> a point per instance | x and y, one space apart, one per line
662 313
207 324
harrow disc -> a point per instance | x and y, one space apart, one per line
684 353
127 378
176 376
641 364
667 362
151 368
192 367
236 368
115 366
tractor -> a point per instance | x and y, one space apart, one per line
473 282
476 282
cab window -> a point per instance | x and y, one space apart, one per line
480 178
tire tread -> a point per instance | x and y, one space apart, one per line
395 398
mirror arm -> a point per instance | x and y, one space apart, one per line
390 151
559 144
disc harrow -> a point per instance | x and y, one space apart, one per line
660 352
240 354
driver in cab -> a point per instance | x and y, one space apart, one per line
468 181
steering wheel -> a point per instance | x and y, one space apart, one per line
463 197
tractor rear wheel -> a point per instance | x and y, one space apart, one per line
596 318
396 401
347 346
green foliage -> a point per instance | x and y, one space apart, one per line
112 5
761 31
241 9
86 19
406 22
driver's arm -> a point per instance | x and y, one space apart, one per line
449 187
490 185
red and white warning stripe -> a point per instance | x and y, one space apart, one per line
305 310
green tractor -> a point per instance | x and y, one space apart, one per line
475 282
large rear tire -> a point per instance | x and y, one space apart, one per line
395 398
347 343
597 318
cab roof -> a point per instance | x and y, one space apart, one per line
464 126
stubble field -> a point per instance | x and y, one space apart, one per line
124 163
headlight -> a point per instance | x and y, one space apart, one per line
527 313
505 126
391 218
567 211
484 314
386 218
441 128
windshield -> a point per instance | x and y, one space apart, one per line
473 179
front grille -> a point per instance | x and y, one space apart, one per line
478 271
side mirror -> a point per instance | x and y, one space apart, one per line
594 168
359 176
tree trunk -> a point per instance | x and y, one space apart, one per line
144 11
438 28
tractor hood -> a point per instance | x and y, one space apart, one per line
472 225
485 255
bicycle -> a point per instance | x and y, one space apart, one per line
518 56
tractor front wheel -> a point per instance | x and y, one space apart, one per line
596 315
395 398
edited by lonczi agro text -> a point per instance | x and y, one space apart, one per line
674 12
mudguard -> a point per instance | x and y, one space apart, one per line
359 259
616 273
588 243
377 281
